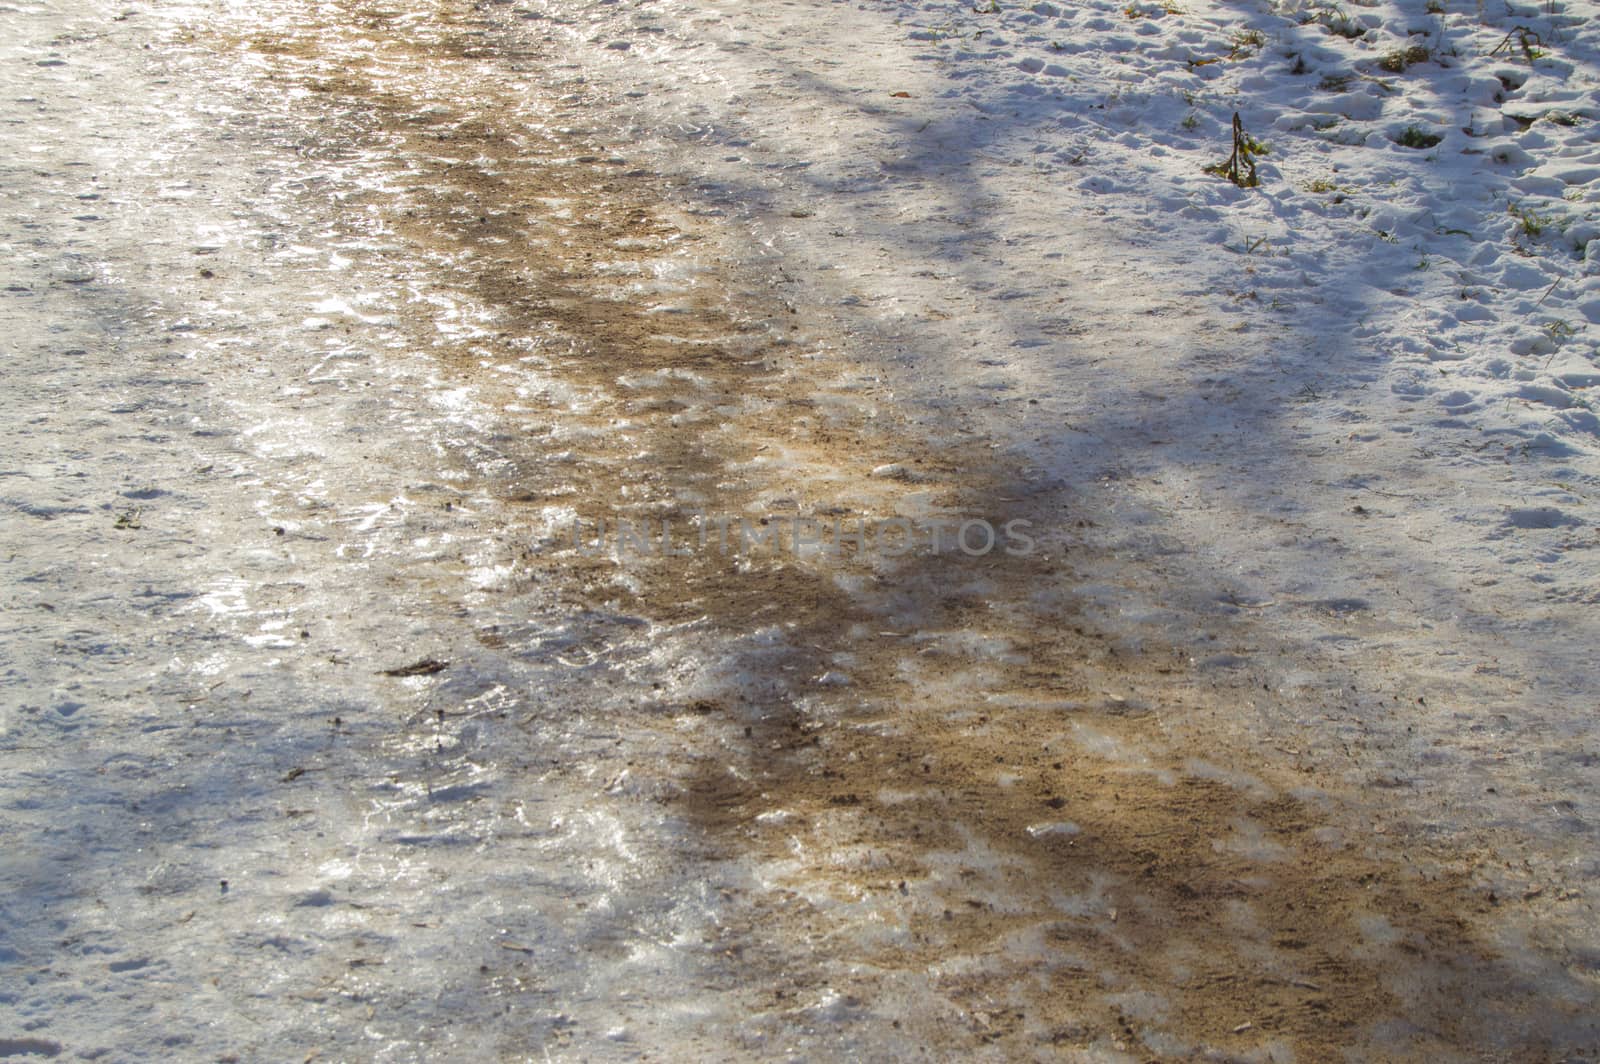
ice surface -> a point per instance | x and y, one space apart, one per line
1314 463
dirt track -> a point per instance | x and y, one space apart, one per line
1268 921
1001 830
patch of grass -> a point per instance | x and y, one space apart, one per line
1415 137
1396 62
1337 21
1336 82
1531 223
1191 120
1319 185
1246 42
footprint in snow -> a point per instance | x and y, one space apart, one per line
1533 517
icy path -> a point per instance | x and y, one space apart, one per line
236 489
328 321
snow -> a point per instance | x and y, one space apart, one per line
1339 402
1320 460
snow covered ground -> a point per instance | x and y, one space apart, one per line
327 322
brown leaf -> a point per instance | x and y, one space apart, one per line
425 667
